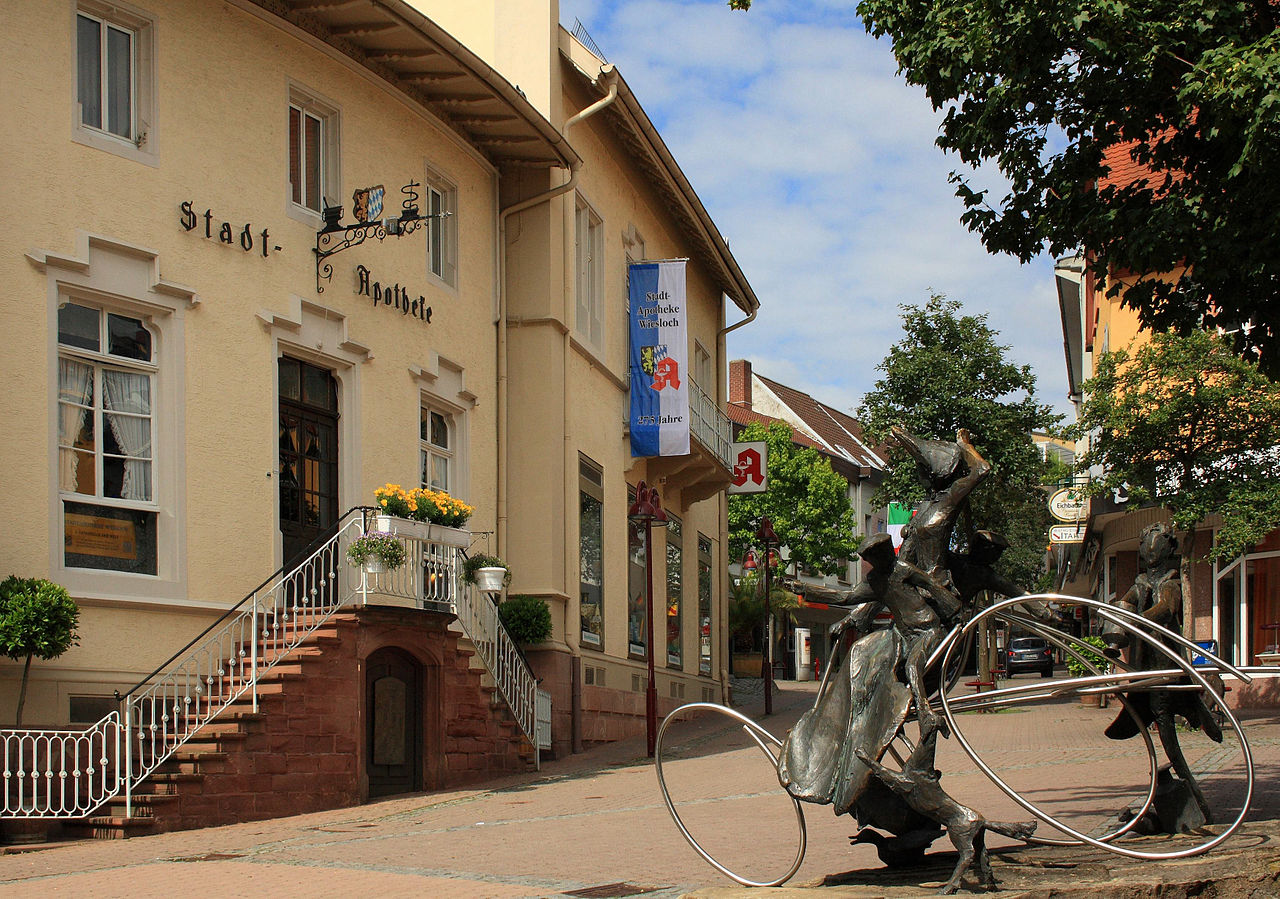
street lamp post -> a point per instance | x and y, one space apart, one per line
648 509
768 541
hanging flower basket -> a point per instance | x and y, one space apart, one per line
477 565
489 580
376 552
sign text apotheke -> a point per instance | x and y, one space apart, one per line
391 295
226 233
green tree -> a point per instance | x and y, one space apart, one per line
948 372
807 502
1183 420
746 604
1043 88
37 619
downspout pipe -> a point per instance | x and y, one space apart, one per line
608 75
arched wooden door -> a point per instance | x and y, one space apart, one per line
393 712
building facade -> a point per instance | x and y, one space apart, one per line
1236 605
210 368
839 438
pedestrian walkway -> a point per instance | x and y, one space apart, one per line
595 825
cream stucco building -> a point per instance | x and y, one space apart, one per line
193 396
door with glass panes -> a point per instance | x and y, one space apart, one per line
308 455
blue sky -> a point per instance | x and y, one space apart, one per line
817 162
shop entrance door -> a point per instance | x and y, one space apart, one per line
308 455
393 710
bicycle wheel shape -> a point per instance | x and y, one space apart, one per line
763 739
1181 675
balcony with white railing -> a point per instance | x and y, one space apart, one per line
710 425
69 773
708 468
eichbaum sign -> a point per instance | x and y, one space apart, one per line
1069 504
1066 533
751 463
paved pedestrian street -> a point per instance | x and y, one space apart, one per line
595 824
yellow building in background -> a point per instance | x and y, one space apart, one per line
1235 606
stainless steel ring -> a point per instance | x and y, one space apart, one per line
1139 627
762 739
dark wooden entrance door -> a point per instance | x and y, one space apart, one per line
308 454
393 709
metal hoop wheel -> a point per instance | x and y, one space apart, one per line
764 740
1160 639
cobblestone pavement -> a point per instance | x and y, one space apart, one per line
597 820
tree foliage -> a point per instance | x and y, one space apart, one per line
1189 89
807 502
38 619
948 372
1185 421
746 603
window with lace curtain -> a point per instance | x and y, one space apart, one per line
106 380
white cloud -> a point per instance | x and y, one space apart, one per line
818 163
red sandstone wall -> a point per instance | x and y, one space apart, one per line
306 751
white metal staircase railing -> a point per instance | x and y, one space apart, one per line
68 774
72 773
440 568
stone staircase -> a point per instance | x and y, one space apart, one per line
303 750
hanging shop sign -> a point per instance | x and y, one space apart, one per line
659 357
1069 504
368 206
392 295
1066 533
224 232
750 468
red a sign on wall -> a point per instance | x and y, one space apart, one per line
750 467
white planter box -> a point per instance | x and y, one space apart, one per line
421 530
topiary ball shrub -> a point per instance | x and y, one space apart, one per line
526 618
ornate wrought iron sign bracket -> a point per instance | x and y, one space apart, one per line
335 237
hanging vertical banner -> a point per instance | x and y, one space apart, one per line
659 354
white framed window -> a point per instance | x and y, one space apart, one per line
441 199
115 79
117 466
675 591
635 252
313 126
438 450
589 286
702 370
591 552
106 385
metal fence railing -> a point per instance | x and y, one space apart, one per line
709 424
72 773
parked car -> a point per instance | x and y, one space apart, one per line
1029 654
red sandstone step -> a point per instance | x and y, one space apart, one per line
111 827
